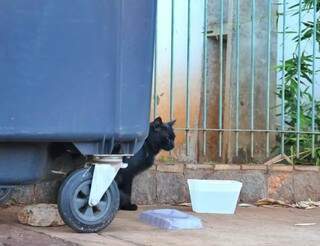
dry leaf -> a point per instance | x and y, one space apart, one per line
305 224
245 205
270 201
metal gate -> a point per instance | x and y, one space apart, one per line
246 86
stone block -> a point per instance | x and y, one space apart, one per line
254 186
24 194
198 173
47 192
306 185
171 188
40 215
280 186
144 188
226 175
44 192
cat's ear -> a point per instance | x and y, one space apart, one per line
157 122
171 123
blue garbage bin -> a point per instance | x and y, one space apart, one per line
73 72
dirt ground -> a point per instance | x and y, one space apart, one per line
249 226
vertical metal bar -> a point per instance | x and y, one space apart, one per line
268 77
299 81
172 57
237 77
221 75
314 40
204 76
155 97
283 82
253 60
188 82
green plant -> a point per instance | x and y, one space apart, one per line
295 84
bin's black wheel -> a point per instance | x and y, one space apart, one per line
5 194
73 203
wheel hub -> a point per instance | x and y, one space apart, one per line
82 208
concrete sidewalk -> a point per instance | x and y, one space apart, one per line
250 226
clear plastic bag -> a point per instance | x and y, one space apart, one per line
170 219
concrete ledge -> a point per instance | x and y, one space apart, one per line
281 168
226 167
307 168
254 167
200 166
170 168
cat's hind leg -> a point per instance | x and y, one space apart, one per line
125 202
125 195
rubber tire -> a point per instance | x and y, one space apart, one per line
66 209
5 194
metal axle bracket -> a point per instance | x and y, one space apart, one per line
105 170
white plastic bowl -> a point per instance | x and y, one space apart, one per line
214 196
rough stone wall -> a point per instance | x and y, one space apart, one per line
167 183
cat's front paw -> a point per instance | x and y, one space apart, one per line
129 207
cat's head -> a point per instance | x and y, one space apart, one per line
162 134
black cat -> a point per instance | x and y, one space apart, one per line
161 137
